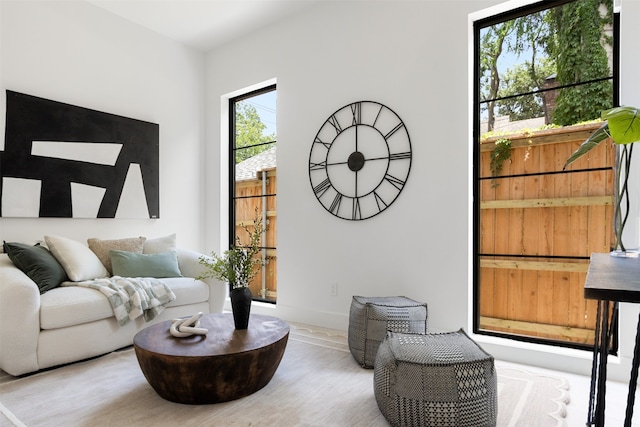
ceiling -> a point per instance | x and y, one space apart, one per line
203 24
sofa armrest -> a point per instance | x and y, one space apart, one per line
189 263
19 319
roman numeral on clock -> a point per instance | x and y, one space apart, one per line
400 156
327 145
317 166
333 121
335 205
394 130
381 203
356 212
356 111
322 188
398 183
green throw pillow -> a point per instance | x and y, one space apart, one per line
131 264
37 263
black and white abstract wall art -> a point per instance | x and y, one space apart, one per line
64 161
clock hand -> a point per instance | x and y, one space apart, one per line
357 137
355 183
336 163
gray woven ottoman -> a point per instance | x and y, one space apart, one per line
371 317
435 380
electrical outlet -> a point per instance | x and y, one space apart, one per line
334 289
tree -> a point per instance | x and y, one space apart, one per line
533 33
524 78
249 137
524 35
573 38
581 57
491 47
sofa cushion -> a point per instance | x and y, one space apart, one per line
102 247
73 305
37 263
78 260
129 264
187 290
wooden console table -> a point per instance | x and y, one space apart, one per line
611 279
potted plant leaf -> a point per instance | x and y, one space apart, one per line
238 266
622 125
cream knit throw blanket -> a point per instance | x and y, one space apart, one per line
131 297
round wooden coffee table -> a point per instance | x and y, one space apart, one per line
225 364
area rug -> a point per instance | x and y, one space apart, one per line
318 383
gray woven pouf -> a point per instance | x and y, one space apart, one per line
435 380
371 317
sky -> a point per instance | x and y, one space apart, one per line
266 107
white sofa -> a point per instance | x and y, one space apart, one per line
71 323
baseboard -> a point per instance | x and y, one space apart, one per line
338 321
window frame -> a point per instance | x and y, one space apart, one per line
478 25
231 195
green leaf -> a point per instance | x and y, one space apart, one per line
624 124
596 138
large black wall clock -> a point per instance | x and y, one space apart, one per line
360 160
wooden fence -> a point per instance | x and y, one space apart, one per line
246 206
538 227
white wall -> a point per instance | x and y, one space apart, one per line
413 57
77 53
331 55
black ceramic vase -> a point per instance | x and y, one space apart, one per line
241 306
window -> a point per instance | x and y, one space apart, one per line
542 72
252 166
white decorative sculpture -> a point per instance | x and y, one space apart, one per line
181 328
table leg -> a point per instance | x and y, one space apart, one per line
594 366
633 382
599 366
602 374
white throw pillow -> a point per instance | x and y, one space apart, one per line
78 261
160 244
